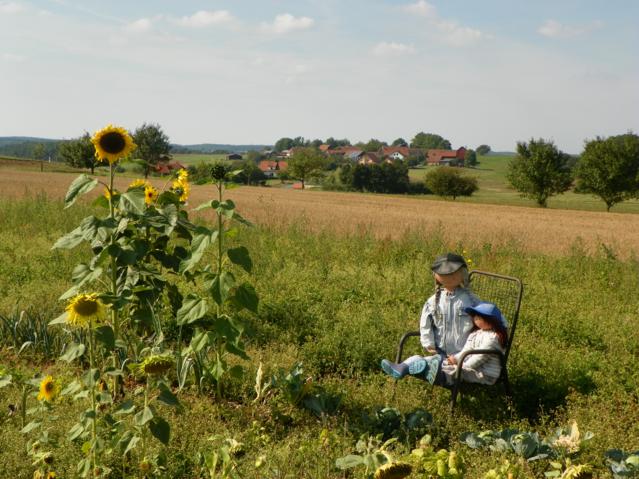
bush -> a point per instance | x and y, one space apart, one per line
447 181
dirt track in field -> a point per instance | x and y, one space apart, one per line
547 231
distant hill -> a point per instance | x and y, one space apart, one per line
216 147
23 147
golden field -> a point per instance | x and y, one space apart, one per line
541 230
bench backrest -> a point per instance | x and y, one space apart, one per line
505 292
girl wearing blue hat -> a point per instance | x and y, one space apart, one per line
444 325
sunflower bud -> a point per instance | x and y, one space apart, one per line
393 470
218 172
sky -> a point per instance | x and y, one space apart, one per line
252 71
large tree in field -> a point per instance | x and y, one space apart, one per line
430 141
78 153
152 143
306 163
539 171
608 168
482 150
374 145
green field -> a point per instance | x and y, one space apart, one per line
337 305
495 189
196 158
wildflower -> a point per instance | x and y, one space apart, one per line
181 188
145 466
112 143
393 470
183 175
48 389
84 310
150 195
139 183
570 442
51 475
156 364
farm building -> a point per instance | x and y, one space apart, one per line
446 157
272 168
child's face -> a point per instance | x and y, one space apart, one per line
481 323
450 281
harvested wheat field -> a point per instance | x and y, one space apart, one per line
539 230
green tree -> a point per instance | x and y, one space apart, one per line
608 168
374 145
152 143
78 153
470 158
283 144
39 152
399 142
450 182
306 163
539 171
482 150
429 141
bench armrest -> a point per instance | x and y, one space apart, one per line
402 341
495 352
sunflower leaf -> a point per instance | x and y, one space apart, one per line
193 308
69 240
241 257
81 185
160 429
133 201
74 351
62 319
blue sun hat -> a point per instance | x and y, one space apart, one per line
487 309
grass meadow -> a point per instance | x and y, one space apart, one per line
340 277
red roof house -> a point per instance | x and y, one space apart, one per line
447 157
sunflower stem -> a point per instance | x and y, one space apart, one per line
114 282
94 426
220 236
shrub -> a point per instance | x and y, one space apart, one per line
447 181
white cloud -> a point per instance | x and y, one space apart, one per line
285 23
422 8
449 31
554 29
139 26
392 49
12 7
458 35
206 18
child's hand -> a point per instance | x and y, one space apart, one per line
451 359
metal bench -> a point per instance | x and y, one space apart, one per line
506 292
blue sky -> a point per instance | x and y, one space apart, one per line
489 71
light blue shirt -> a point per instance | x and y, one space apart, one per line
449 329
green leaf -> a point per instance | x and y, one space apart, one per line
199 341
73 351
30 427
76 431
62 319
127 407
246 297
193 308
81 185
210 204
348 462
133 201
105 335
167 397
5 380
131 444
202 239
70 240
144 416
221 286
72 388
240 256
160 429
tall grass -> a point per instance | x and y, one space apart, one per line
338 304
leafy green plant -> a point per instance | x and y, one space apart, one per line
220 462
525 444
506 470
623 464
441 463
371 453
390 422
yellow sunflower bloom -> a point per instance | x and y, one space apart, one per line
182 189
107 193
48 389
84 310
156 364
112 143
150 195
51 475
393 470
139 183
183 175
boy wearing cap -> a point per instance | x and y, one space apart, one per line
444 325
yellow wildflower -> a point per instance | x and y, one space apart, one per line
84 310
139 183
112 143
48 389
150 195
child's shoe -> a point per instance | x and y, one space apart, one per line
394 370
